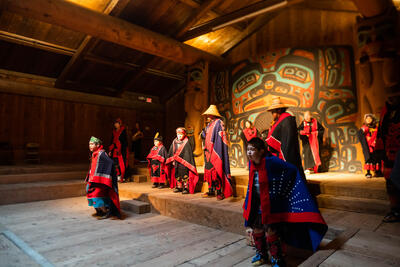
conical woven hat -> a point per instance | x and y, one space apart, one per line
213 111
277 103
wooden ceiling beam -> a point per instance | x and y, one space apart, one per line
131 66
26 41
196 4
234 17
202 9
257 24
114 8
206 6
109 28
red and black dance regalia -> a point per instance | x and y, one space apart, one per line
388 142
367 136
246 135
277 197
217 171
119 150
182 168
311 134
157 163
283 142
102 184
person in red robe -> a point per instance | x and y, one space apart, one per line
156 163
118 150
278 207
311 134
102 185
247 134
367 136
217 172
183 172
282 139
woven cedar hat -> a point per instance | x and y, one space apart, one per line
277 103
213 111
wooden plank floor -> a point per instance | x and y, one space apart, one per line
64 232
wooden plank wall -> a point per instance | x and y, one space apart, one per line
299 28
63 128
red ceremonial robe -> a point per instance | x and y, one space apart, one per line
216 152
283 141
183 155
102 179
311 136
156 164
119 149
285 199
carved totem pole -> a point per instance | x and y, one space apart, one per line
196 101
377 53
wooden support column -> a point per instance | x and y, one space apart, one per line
378 60
196 101
109 29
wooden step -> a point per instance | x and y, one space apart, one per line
374 190
39 177
39 168
135 206
139 178
362 205
28 192
140 170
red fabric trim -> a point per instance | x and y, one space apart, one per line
250 133
311 217
154 154
216 161
264 193
177 158
281 118
101 180
209 145
276 144
116 141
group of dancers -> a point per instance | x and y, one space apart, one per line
278 206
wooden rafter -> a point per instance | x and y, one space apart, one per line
202 9
131 66
23 40
252 28
213 24
114 8
196 4
110 29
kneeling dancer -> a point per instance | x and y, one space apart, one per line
183 174
102 184
278 207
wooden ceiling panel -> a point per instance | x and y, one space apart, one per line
162 16
20 25
214 42
31 60
229 6
42 31
97 74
